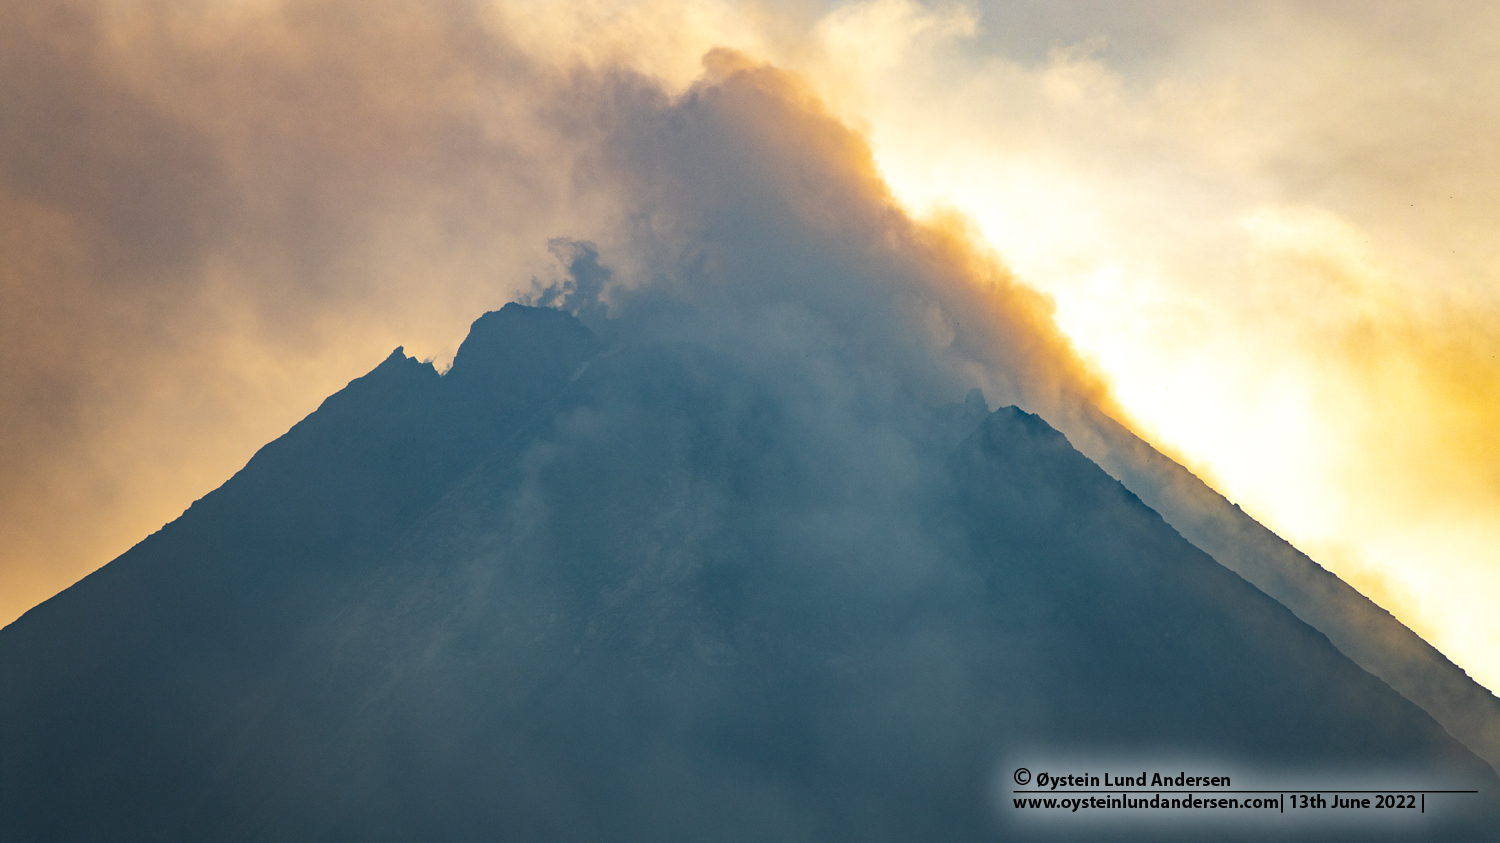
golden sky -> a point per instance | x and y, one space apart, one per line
1272 227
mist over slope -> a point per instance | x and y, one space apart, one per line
588 587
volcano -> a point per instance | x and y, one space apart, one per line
590 584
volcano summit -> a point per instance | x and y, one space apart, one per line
621 584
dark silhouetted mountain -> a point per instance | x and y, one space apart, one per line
644 590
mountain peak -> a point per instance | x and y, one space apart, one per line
518 336
670 593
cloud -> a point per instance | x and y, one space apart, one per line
749 196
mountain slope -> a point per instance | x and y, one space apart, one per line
1366 633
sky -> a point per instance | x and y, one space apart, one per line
1267 228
